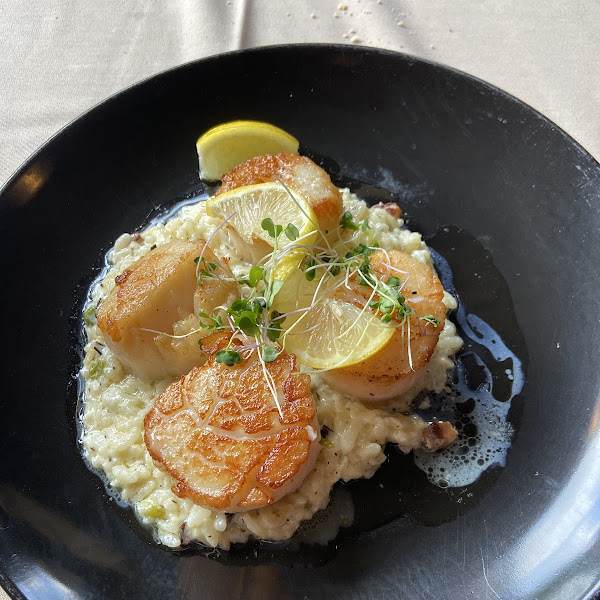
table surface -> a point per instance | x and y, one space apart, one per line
60 58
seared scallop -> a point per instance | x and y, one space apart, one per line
238 437
402 362
150 318
299 173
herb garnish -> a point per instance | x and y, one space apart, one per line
259 327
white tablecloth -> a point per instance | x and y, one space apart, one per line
60 57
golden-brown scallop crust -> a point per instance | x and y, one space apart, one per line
148 319
219 433
299 173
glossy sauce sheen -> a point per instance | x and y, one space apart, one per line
487 377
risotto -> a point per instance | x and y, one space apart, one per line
354 433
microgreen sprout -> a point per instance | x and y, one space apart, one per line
228 357
215 323
255 275
347 222
291 232
309 264
430 319
273 230
390 303
272 290
269 353
204 269
274 325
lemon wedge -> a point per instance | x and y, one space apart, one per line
248 206
331 333
334 334
230 144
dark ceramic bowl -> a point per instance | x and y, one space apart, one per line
454 152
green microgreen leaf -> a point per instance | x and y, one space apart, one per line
258 305
207 270
203 315
272 291
365 225
291 231
430 319
237 306
394 281
347 221
274 327
310 273
277 285
273 230
386 304
213 323
246 321
256 274
365 277
269 353
228 357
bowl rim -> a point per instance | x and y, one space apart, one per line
133 88
19 172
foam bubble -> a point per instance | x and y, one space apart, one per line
484 433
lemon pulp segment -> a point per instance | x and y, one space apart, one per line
246 207
335 334
332 333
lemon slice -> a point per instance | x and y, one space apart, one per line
335 334
246 207
298 293
230 144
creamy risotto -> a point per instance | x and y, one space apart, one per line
354 433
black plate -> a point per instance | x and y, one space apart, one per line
453 151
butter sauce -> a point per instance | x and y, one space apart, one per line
487 377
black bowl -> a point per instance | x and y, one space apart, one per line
452 151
